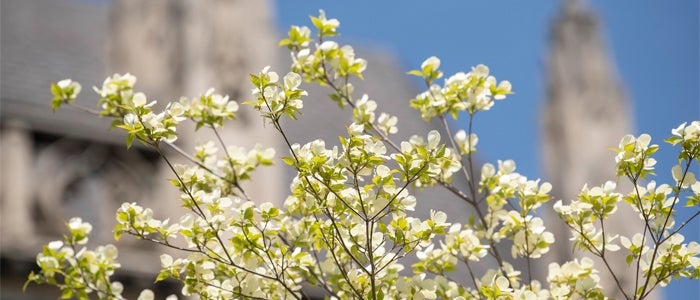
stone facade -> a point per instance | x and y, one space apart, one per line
63 164
174 48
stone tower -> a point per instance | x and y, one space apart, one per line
586 110
585 114
182 48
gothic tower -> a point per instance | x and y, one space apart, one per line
585 114
586 110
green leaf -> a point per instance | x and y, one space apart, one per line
117 233
175 182
415 73
274 212
255 80
56 103
288 160
129 140
673 140
249 213
454 114
164 274
67 293
115 123
317 22
285 42
55 90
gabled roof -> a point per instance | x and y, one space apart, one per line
43 41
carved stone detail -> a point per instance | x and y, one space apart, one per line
90 180
15 191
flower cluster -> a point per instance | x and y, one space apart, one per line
427 160
506 187
658 252
133 112
688 136
212 274
132 218
299 37
653 203
224 171
461 244
348 225
363 113
77 270
671 258
466 144
634 156
574 279
241 163
118 91
330 64
325 62
64 91
275 99
209 109
592 207
471 92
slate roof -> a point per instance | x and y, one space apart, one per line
43 41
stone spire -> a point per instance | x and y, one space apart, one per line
586 110
585 114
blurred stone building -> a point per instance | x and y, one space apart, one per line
57 165
585 114
64 164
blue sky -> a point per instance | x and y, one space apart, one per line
653 43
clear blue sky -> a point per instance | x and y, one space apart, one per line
653 43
